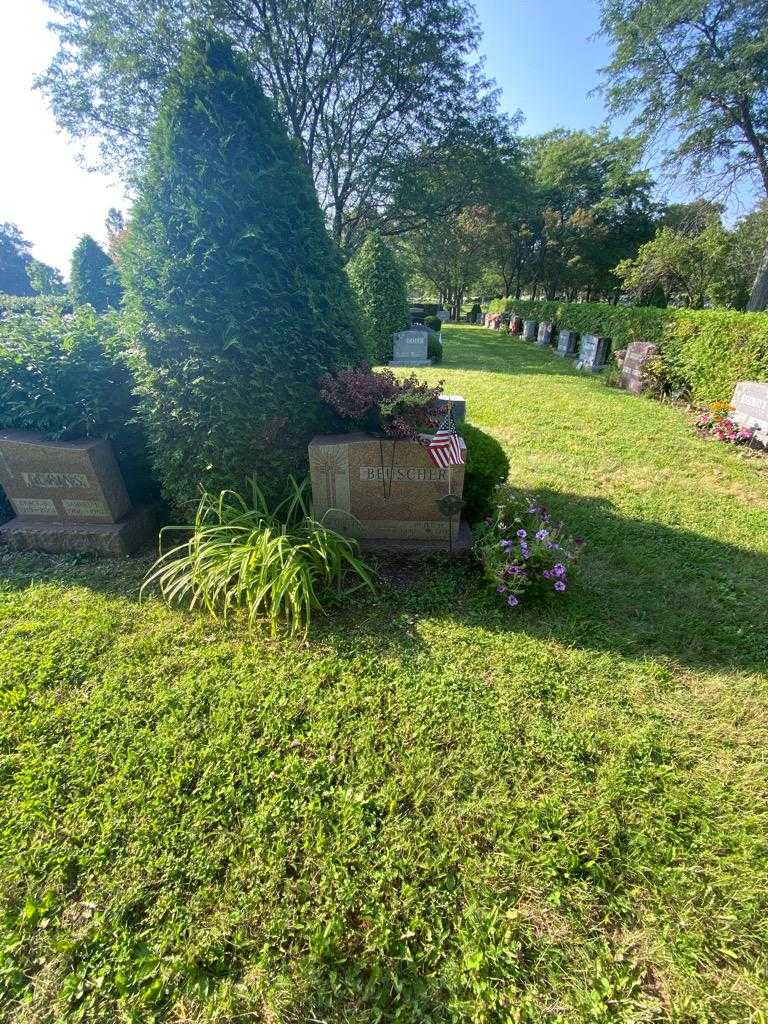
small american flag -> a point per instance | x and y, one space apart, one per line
445 447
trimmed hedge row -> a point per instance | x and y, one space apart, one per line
705 351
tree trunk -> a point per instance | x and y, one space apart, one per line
759 298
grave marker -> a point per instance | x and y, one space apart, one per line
544 337
410 348
635 356
593 352
530 328
566 343
750 407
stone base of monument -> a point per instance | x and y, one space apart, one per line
110 540
385 491
409 362
461 544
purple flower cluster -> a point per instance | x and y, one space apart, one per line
524 552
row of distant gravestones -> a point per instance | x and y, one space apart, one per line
749 404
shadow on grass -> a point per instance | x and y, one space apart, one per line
645 589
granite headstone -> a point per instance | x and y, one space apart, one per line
635 357
749 407
67 496
530 327
458 404
566 343
410 348
544 337
593 352
381 489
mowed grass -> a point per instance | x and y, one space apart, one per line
433 810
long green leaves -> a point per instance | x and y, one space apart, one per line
280 565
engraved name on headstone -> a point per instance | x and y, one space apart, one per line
374 488
635 357
593 352
410 348
750 407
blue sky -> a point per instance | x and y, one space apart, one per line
540 53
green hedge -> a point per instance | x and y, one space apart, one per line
17 304
705 351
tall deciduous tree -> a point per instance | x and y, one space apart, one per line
363 85
93 278
239 294
695 72
14 261
380 289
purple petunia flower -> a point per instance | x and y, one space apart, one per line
542 534
559 585
512 601
547 574
558 569
505 545
501 590
522 534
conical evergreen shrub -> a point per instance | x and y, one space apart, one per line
93 277
380 289
238 292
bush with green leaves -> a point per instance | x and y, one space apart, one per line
278 565
14 305
94 279
704 352
434 348
487 467
380 288
65 377
433 322
235 291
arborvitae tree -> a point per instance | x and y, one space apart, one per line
14 261
379 284
93 278
239 293
45 279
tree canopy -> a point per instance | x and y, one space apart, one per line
93 278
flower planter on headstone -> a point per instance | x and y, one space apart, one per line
544 337
530 328
566 343
410 347
68 496
385 492
636 354
749 407
457 404
593 353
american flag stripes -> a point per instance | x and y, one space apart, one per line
445 447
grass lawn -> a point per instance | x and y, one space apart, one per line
436 809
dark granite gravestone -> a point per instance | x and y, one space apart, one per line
635 356
566 343
749 407
530 328
410 348
457 403
67 496
382 490
593 353
544 337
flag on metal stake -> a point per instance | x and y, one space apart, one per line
445 447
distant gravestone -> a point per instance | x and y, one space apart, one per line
382 489
457 403
67 496
530 328
750 407
593 352
515 324
443 315
636 355
410 347
566 343
544 337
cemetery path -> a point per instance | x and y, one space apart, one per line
433 810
